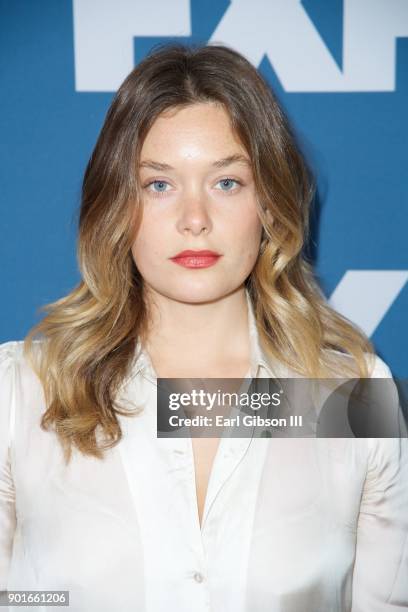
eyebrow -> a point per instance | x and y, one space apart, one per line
219 163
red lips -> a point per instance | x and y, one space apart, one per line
196 259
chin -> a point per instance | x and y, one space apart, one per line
196 293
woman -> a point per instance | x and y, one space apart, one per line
195 155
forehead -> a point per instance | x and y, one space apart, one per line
192 130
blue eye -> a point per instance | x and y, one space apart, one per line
227 181
160 183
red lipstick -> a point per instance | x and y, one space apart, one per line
196 259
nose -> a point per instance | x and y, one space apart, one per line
194 215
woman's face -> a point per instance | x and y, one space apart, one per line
195 198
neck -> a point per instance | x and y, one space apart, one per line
204 337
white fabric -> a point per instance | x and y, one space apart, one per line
289 525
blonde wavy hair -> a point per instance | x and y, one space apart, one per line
88 338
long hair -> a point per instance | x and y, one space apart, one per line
88 338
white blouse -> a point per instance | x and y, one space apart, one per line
289 524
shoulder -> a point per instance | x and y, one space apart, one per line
377 367
19 387
388 456
380 369
7 367
385 404
10 356
13 363
8 350
8 363
13 360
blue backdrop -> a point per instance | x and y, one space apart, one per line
340 70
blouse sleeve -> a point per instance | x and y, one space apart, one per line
7 493
380 577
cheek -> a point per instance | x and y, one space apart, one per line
147 243
248 232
